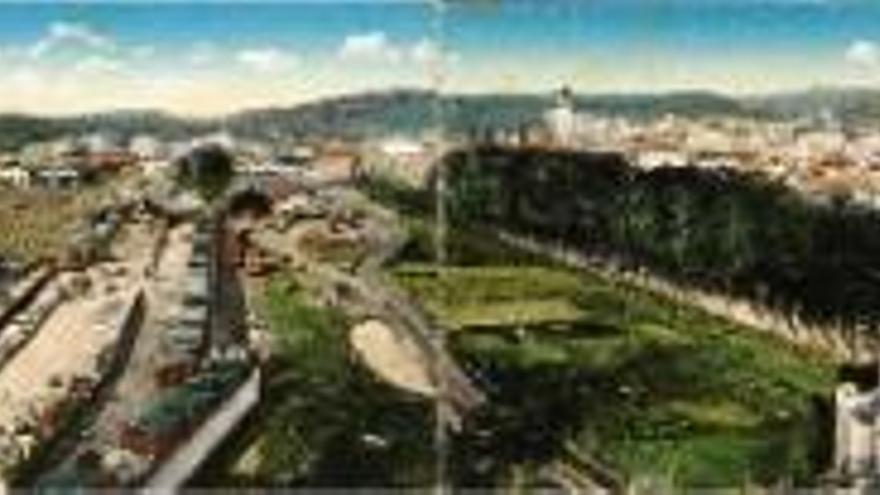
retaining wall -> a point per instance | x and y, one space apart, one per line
187 459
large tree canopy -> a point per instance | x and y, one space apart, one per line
722 230
207 169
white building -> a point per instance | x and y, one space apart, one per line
99 142
59 177
154 167
222 138
650 159
404 158
563 120
819 144
865 151
16 176
147 147
706 139
857 445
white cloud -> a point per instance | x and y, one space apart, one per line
267 59
427 52
61 34
25 77
99 64
374 46
377 46
864 54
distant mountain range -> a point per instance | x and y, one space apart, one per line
373 114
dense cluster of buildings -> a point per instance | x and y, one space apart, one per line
817 156
70 162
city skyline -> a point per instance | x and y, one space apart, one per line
203 58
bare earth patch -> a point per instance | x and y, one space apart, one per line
394 359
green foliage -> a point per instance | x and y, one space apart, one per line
649 387
403 198
465 247
17 131
311 335
462 297
207 170
319 404
713 229
183 406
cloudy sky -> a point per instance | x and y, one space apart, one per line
206 57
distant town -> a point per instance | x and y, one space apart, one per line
818 153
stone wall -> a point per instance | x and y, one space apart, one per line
189 456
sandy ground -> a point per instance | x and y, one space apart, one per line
288 241
395 360
70 340
68 344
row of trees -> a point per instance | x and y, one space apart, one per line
718 230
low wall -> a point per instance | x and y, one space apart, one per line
844 344
25 293
187 459
64 441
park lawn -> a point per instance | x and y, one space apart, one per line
649 387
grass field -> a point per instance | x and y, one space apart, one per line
650 388
495 295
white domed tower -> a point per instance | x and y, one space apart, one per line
562 119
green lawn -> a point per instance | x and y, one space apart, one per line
322 412
494 295
648 387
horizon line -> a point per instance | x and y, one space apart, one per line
194 117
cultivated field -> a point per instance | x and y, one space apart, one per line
36 224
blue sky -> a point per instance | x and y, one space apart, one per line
208 57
